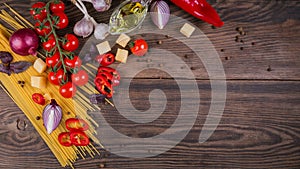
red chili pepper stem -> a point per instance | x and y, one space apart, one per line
200 9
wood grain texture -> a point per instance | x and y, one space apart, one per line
260 126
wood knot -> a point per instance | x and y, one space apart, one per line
21 125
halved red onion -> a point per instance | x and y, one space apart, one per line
52 115
160 13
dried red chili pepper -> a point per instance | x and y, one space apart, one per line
76 124
200 9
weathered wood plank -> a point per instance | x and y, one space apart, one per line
259 128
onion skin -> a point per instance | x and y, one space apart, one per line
24 42
52 115
160 13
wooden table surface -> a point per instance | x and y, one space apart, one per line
260 126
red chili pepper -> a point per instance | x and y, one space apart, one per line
64 139
106 59
79 138
38 98
76 124
200 9
103 86
116 76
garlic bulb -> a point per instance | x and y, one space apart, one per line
101 31
84 27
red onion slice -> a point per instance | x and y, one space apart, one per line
52 115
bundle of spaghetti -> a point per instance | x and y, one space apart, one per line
21 95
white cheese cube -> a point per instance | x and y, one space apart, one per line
38 82
187 30
122 55
39 65
103 47
123 40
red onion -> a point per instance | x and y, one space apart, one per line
24 42
160 13
52 115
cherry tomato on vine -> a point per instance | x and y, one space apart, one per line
80 78
57 7
71 43
57 77
63 20
139 47
49 44
75 62
54 60
42 29
38 11
68 90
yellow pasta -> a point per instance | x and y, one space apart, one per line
76 107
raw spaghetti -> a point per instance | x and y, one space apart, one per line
76 107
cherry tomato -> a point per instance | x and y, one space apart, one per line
38 98
79 138
139 47
49 44
68 90
63 20
38 11
71 43
57 77
42 29
54 60
80 78
57 7
73 63
64 139
76 124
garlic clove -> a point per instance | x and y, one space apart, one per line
84 27
101 31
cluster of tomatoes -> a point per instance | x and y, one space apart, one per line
65 65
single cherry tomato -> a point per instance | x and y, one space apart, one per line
57 77
38 11
80 78
76 124
62 21
57 7
38 98
49 44
73 63
106 59
42 29
71 43
79 138
139 47
68 90
64 139
54 60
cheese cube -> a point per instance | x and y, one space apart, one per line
39 65
187 30
122 55
48 96
123 40
103 47
38 82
